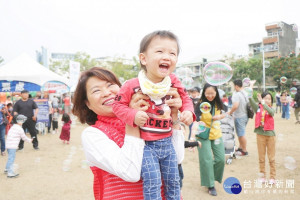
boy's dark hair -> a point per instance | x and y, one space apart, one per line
65 118
238 83
265 93
148 38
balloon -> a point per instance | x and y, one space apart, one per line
293 90
246 82
201 127
283 79
205 107
249 91
217 73
216 124
187 82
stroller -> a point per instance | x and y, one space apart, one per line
227 127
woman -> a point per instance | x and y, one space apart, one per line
285 106
212 153
115 158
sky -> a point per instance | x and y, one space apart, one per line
115 27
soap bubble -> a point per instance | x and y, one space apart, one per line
246 82
205 107
290 163
280 137
84 164
249 92
183 72
216 124
283 79
293 90
37 160
66 165
201 127
217 73
187 82
40 126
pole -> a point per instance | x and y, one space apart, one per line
264 75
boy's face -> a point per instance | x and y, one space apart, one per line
160 58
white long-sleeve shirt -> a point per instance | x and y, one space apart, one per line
125 162
102 152
14 136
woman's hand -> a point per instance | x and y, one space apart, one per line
138 101
175 102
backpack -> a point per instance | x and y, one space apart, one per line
250 112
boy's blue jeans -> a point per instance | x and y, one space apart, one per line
160 161
10 160
2 136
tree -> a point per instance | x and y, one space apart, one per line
62 66
125 71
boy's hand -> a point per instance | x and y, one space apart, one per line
186 117
259 97
141 118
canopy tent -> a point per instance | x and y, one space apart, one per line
25 69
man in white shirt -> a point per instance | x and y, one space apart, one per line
239 111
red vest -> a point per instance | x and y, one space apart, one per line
108 186
269 120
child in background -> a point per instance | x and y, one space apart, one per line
14 135
55 117
265 135
65 130
158 57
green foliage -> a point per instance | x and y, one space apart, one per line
62 66
125 71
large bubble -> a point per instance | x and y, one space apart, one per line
216 124
187 82
205 107
183 72
40 126
201 127
217 73
283 79
293 90
290 163
249 92
246 82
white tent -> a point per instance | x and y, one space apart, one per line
24 68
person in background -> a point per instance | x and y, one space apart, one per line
285 106
50 115
297 105
67 104
9 117
55 117
211 152
65 130
278 102
239 111
195 96
265 134
13 138
55 102
225 102
229 101
3 123
27 107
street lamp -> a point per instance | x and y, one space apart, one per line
266 64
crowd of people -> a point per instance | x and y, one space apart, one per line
136 130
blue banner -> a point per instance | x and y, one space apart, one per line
18 86
43 114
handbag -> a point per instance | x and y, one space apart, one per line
205 134
250 113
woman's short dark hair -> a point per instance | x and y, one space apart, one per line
162 34
80 108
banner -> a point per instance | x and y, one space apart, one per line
43 114
56 86
18 86
74 72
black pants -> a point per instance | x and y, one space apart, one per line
30 125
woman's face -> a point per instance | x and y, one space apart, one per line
210 93
100 96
